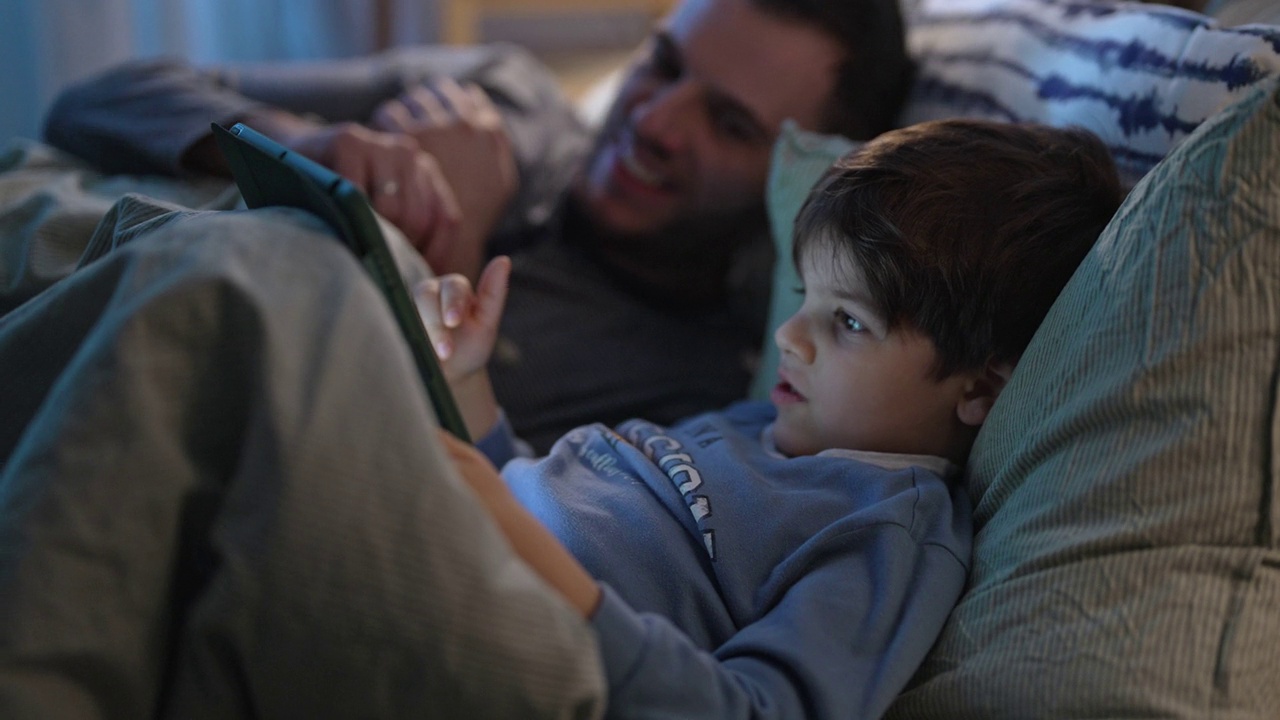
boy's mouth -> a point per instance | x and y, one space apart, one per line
784 393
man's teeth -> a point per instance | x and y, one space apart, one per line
642 173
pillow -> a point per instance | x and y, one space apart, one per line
1239 12
1140 76
1125 485
799 159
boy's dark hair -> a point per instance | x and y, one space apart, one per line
873 80
965 230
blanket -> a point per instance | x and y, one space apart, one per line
221 494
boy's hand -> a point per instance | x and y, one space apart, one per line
529 538
461 128
463 322
476 470
463 326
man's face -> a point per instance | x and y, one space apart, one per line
846 381
687 143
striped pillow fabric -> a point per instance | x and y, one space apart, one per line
1127 556
1141 76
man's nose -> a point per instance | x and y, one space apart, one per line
665 120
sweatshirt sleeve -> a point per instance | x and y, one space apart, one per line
841 641
501 445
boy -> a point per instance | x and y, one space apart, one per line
798 559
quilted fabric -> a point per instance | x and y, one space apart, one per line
1126 560
1141 76
50 204
219 489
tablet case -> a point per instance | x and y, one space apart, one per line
268 174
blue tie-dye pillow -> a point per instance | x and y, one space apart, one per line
1141 76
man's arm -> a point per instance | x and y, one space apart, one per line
143 117
153 117
147 116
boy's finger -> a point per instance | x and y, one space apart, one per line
455 298
427 297
492 290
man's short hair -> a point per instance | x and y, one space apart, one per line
965 230
873 81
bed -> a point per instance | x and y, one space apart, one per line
1127 557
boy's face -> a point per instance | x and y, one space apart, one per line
846 381
687 142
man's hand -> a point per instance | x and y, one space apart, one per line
404 183
463 325
460 127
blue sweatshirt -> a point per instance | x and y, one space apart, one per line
739 583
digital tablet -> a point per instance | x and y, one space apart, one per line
268 174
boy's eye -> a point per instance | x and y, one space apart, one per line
849 322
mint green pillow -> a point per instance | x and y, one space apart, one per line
799 159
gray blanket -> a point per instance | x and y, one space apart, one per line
221 494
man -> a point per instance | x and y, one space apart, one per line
620 303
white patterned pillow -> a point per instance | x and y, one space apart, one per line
1141 76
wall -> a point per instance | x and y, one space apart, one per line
45 44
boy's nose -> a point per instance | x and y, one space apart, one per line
792 338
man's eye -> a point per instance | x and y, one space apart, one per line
663 63
849 322
732 126
731 122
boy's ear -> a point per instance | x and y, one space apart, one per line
982 390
